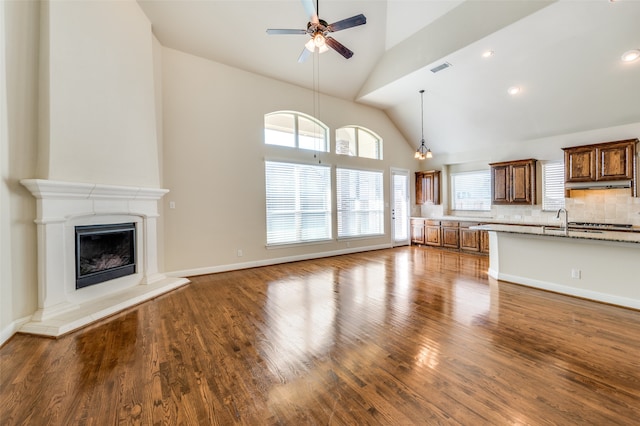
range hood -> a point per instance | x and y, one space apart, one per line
612 184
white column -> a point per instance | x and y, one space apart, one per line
52 299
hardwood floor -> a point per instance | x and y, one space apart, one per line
394 337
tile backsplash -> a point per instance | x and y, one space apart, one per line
600 206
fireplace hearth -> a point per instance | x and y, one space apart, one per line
104 252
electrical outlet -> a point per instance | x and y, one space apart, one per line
240 253
172 204
576 273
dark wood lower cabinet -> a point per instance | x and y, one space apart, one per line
449 234
417 231
469 238
484 242
432 233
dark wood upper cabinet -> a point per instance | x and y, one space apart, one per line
580 164
513 182
602 162
428 187
615 161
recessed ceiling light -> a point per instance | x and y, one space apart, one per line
631 55
513 90
488 53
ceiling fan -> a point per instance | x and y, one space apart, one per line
319 31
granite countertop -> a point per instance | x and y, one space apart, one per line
492 224
628 236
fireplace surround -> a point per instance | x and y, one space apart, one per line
63 207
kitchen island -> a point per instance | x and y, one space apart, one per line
596 265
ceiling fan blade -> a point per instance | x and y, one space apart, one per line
354 21
304 55
285 31
338 47
310 10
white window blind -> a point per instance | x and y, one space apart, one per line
298 202
552 185
471 190
360 202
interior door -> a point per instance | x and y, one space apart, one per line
400 207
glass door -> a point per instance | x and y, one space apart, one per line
400 207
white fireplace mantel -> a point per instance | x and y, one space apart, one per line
61 206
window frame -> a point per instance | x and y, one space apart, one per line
548 203
300 214
357 130
358 213
477 173
296 130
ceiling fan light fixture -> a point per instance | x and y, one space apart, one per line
319 40
631 55
514 90
310 45
318 29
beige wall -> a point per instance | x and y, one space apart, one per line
214 160
101 100
18 146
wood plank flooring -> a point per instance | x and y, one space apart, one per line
392 337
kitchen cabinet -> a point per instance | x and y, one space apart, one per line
432 233
417 231
428 187
450 234
580 164
602 162
484 242
513 182
469 238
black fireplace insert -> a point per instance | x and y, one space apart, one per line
104 252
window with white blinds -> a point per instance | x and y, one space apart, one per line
552 185
360 202
298 202
471 190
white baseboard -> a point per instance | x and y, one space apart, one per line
7 332
266 262
571 291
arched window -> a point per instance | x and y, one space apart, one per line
358 142
295 130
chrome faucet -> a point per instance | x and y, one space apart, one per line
566 220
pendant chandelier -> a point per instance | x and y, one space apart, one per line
422 152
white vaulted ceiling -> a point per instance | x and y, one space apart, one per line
564 55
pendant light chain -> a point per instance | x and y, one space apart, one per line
422 113
422 152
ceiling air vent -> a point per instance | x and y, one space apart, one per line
441 67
